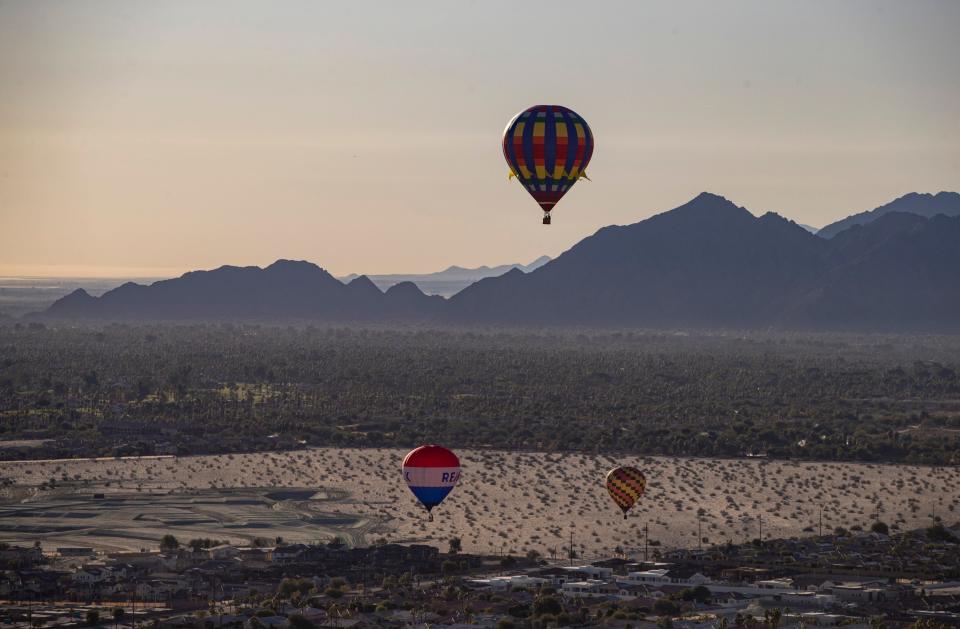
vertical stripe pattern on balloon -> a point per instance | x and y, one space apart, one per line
547 148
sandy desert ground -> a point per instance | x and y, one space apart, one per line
506 501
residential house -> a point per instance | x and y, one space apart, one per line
557 576
592 588
223 551
259 622
632 591
659 577
161 589
24 555
501 584
89 575
593 572
288 553
857 592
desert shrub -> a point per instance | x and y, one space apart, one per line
520 610
547 605
938 533
298 621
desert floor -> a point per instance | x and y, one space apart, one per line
505 501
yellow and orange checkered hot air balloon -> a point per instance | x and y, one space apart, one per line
626 485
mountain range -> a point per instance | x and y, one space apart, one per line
451 280
707 263
927 205
286 289
711 263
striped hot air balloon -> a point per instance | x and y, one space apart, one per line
431 473
547 148
626 485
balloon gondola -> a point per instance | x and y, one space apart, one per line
547 148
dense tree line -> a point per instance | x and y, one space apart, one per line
215 388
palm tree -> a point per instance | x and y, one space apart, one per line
772 617
455 545
117 615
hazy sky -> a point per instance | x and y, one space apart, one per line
148 137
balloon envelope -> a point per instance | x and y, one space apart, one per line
431 473
547 148
626 485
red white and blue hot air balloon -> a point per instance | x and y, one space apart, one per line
431 472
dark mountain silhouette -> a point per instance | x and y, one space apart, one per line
451 280
898 272
407 302
926 205
707 263
285 289
860 240
710 263
79 303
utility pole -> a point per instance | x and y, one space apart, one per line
646 538
761 529
821 520
133 607
699 534
570 550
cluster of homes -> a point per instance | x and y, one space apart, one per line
917 554
183 576
648 583
780 584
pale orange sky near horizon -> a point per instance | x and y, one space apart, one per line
142 138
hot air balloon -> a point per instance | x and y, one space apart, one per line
626 485
431 472
547 148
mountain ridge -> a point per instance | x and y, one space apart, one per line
450 280
921 203
707 263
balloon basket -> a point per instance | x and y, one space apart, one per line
546 219
429 517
